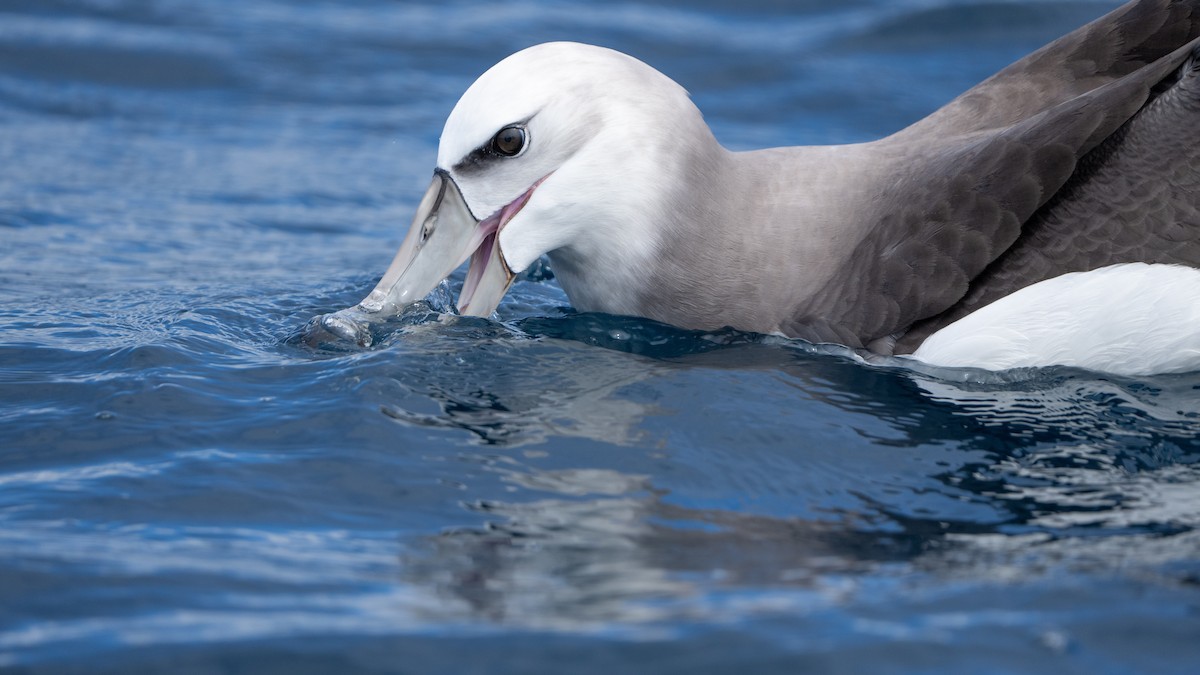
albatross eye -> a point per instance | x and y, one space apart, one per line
509 141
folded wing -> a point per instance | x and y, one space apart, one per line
976 183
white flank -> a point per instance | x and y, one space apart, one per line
1130 319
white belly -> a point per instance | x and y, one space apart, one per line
1130 319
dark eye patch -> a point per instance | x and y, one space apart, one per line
509 141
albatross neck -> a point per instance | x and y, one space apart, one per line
787 215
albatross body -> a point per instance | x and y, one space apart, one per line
1081 157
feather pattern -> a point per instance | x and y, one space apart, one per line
1135 198
965 222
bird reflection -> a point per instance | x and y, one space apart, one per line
631 557
681 489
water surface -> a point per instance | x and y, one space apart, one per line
186 486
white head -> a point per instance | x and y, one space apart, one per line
594 118
562 148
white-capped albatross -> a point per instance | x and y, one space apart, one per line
1081 156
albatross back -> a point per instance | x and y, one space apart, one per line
1078 156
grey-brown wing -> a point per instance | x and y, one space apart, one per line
953 205
1134 198
1120 43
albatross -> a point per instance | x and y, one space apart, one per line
1049 215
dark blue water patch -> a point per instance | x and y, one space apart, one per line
982 25
632 335
93 64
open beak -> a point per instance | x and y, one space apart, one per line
442 236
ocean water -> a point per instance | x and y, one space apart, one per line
187 486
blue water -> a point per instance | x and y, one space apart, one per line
186 486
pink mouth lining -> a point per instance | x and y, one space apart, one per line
486 237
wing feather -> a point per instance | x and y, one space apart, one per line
1134 198
967 182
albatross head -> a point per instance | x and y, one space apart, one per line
562 148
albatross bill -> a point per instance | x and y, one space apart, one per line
444 234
